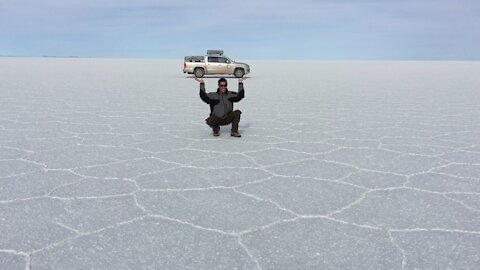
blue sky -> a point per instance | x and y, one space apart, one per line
244 29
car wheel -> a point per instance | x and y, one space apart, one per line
239 72
199 72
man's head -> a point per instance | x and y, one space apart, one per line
222 85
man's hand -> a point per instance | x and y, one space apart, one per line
242 79
199 80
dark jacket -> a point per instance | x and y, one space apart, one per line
221 104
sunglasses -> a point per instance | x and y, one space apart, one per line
222 85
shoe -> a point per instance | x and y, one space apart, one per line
235 134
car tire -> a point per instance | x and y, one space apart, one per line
239 72
199 72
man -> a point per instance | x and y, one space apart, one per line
221 106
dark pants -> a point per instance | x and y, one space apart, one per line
233 118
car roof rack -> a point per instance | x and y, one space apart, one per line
215 52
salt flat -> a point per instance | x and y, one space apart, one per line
108 164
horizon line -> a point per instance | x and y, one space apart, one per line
243 59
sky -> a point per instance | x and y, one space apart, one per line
244 29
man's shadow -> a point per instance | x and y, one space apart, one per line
241 127
215 77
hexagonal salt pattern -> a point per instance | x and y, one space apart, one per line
323 244
108 164
12 260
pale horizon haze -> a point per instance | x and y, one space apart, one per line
270 30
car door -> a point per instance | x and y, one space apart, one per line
225 65
213 66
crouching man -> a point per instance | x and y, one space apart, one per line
221 106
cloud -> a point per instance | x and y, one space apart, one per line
348 23
222 14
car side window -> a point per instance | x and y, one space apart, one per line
213 59
223 60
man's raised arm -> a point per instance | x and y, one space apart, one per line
241 91
203 94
